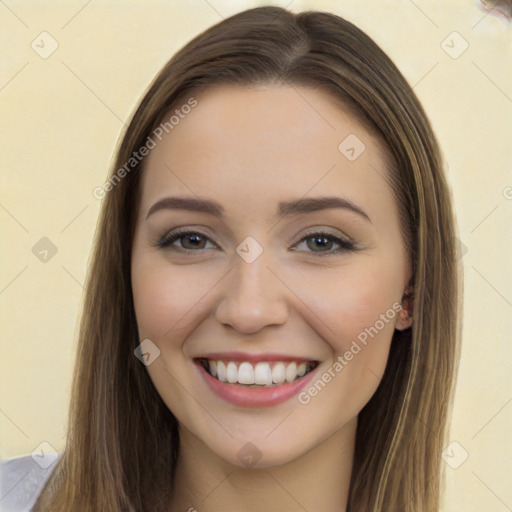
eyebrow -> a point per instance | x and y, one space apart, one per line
286 209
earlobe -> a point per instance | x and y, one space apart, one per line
405 318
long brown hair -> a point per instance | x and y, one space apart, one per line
122 442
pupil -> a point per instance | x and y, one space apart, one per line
319 242
194 240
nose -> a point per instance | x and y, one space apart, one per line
252 298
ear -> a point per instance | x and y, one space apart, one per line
405 316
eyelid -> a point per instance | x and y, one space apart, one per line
165 241
344 242
325 230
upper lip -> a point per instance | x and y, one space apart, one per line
254 358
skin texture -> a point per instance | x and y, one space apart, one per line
250 149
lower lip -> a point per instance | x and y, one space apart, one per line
254 397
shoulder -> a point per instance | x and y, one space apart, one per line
22 479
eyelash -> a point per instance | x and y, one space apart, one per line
171 237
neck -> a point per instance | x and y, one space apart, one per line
206 483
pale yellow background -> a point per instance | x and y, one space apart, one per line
61 118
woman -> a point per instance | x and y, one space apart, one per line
272 309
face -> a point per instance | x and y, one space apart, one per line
268 268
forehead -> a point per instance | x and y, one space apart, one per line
265 143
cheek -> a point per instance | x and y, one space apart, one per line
353 299
359 304
166 299
367 316
155 306
167 308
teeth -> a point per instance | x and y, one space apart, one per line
278 373
261 374
213 368
221 371
245 374
232 373
291 372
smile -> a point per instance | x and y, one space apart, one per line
263 373
255 381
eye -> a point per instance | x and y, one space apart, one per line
186 241
325 244
194 241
